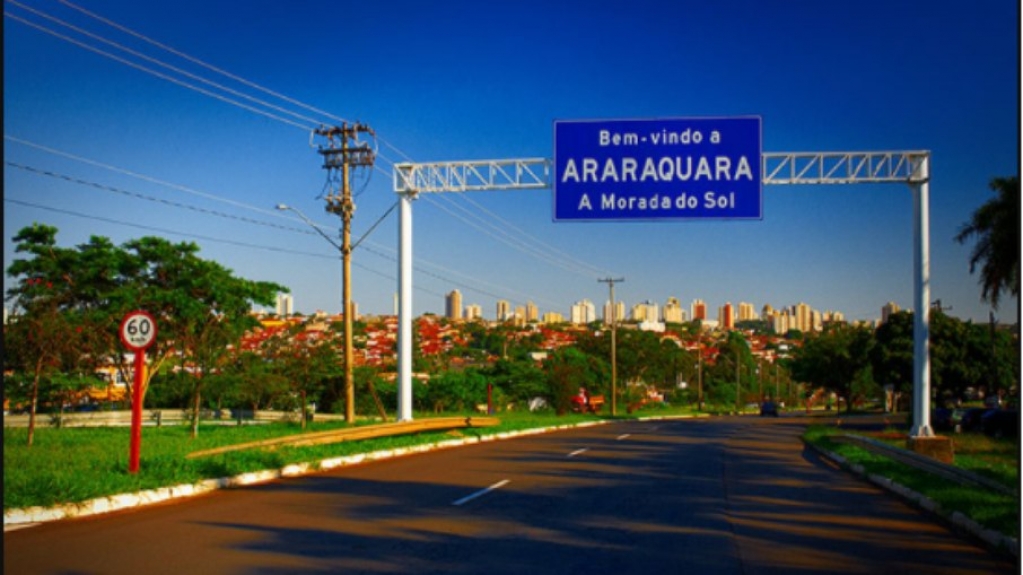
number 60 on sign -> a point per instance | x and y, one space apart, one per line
138 330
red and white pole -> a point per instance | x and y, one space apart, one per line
138 332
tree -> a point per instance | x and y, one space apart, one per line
996 227
567 370
51 341
256 384
520 379
892 358
199 305
837 359
51 351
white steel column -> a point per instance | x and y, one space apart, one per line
921 303
405 307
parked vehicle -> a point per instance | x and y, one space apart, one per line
941 419
1000 423
968 419
769 408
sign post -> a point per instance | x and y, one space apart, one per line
138 332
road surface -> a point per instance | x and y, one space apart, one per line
710 496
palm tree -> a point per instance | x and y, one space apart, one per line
996 225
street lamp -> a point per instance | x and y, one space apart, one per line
346 306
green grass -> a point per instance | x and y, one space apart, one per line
998 459
76 464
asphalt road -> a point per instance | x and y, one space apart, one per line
713 496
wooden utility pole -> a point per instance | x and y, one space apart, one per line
342 151
614 345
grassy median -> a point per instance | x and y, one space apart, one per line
71 465
997 459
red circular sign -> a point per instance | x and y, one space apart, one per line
138 330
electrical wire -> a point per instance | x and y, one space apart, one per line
152 60
155 73
199 62
558 258
205 238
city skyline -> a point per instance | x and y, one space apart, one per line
585 311
95 146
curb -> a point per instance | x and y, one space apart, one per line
995 540
31 516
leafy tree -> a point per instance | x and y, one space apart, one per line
457 390
256 384
306 361
199 305
837 359
734 355
996 227
567 370
51 341
520 380
963 355
892 358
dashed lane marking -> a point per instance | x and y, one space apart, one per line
480 493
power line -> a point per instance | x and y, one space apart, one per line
203 237
559 258
149 198
517 243
155 73
153 60
195 60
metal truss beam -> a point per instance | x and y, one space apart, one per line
845 167
779 168
473 176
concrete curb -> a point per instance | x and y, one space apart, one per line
29 516
995 540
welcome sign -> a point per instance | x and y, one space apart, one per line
654 169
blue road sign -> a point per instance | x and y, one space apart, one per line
658 169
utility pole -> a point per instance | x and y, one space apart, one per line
614 345
342 152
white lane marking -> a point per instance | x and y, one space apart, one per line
623 436
578 451
481 492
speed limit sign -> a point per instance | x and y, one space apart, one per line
138 330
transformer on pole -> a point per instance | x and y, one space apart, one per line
341 152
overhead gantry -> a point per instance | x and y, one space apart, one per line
778 168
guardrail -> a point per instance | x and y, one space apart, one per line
157 417
924 463
355 433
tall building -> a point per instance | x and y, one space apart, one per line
619 311
698 309
583 312
532 312
646 311
504 310
887 311
781 322
553 317
673 312
767 311
804 317
726 316
473 311
453 305
747 312
285 305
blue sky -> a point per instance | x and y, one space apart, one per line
471 80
